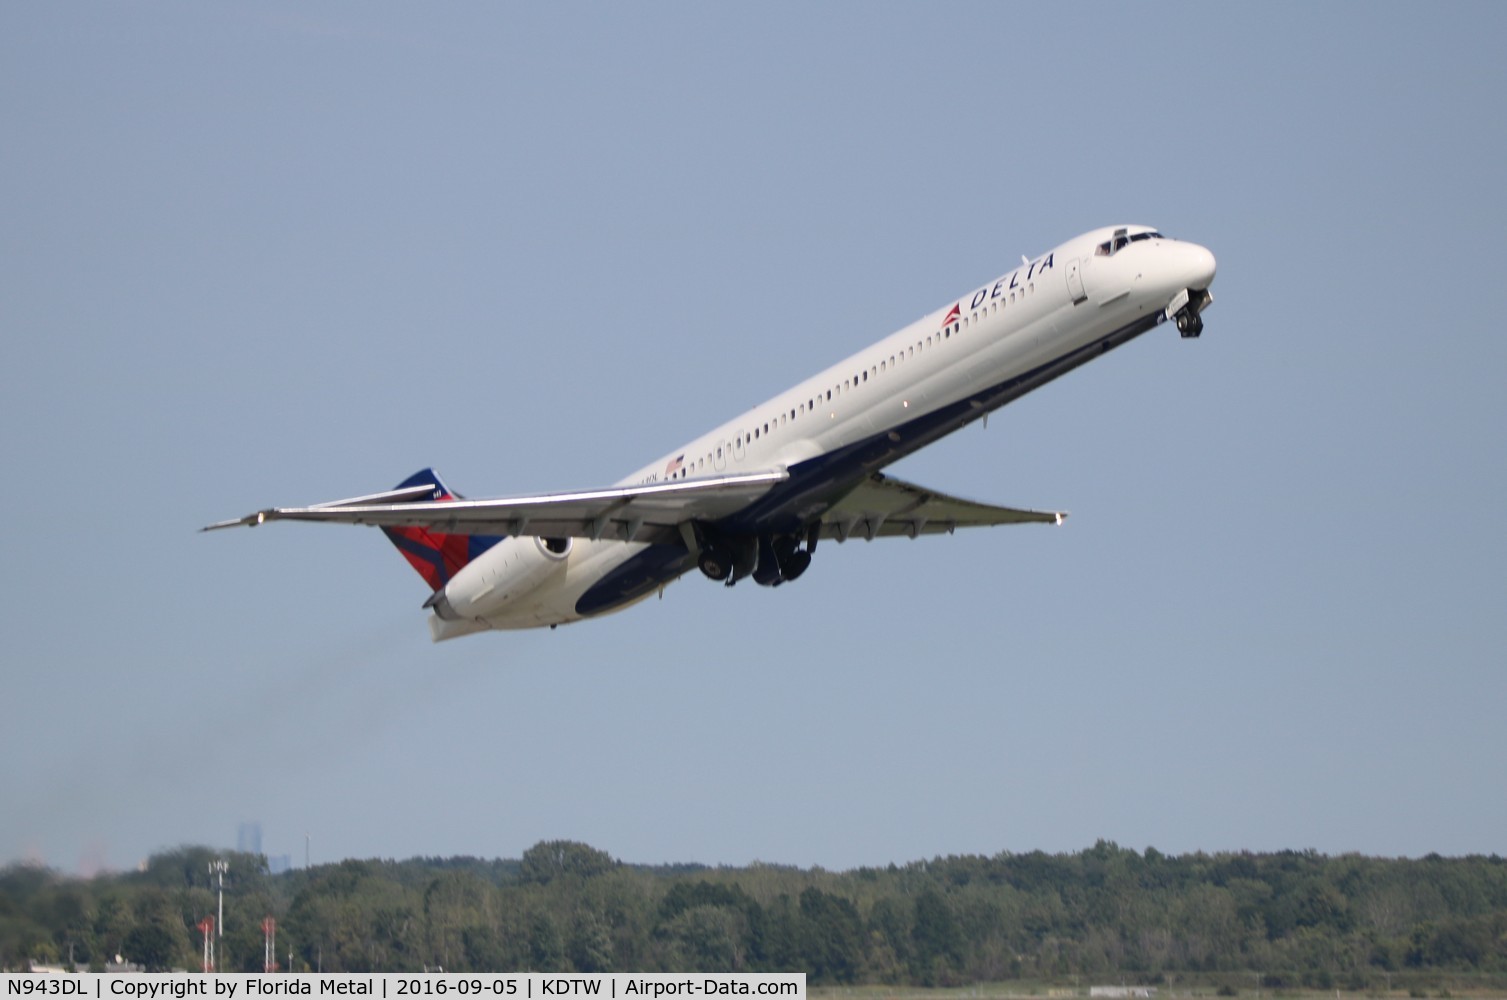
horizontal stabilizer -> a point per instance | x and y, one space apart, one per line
650 512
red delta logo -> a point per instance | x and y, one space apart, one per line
952 314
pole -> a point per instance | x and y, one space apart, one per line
269 941
207 926
219 866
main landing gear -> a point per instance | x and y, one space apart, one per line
770 559
716 563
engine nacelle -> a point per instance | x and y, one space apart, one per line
499 577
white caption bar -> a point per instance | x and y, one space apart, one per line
397 986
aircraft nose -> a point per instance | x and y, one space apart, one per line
1199 265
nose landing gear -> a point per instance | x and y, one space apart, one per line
1189 323
1186 310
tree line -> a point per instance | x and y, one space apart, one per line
1232 921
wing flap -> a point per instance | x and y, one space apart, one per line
648 512
882 507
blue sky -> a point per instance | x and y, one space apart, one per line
276 254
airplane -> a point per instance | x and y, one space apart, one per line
753 497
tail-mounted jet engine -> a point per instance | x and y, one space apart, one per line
500 576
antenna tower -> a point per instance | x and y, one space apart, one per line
269 945
207 927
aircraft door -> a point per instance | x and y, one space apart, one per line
1075 282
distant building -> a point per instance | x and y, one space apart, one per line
248 838
279 864
1122 992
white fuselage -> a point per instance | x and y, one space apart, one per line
1023 322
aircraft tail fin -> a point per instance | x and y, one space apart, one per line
435 555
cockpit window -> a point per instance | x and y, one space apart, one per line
1121 239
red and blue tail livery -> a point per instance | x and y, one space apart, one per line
436 555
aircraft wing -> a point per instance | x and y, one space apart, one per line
882 507
649 512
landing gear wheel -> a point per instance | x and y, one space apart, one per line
716 562
1189 323
794 565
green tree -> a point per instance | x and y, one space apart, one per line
937 946
548 860
833 937
151 945
546 951
453 901
890 925
590 944
158 939
707 939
